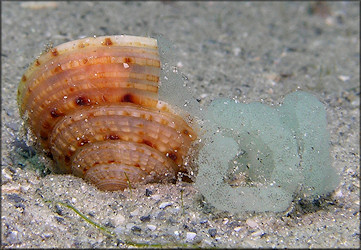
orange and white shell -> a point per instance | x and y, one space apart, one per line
93 106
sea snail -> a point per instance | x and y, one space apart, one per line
92 105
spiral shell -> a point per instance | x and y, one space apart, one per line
93 106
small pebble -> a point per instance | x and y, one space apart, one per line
251 223
145 218
119 219
59 219
179 64
151 227
25 188
12 125
46 235
225 221
58 210
212 232
118 230
14 237
165 204
343 78
15 197
135 212
338 193
156 197
136 229
236 51
174 210
6 177
190 236
130 225
148 192
120 242
203 221
109 224
208 242
21 206
9 112
237 229
257 233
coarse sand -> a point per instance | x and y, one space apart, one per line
249 51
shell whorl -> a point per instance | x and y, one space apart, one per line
93 106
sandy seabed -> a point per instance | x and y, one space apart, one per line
241 50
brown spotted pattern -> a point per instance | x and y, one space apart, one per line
93 105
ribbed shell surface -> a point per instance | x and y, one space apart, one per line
93 106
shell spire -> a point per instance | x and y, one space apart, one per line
93 106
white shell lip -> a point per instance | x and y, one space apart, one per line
117 40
